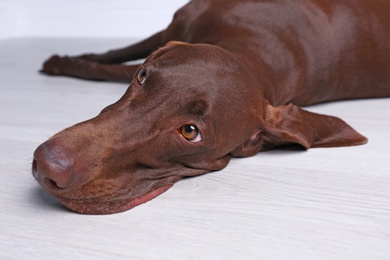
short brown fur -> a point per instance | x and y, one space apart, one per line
236 71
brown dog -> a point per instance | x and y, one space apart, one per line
227 83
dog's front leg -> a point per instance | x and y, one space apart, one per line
79 68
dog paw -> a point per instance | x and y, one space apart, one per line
64 66
54 65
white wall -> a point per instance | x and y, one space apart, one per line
85 18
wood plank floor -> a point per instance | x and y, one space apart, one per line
319 204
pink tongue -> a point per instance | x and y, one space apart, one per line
148 196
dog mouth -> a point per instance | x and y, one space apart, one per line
104 207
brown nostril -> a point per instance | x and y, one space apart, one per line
34 168
57 178
49 183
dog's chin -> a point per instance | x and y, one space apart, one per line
97 207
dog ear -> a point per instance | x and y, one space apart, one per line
290 124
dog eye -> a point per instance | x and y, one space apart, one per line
141 77
191 133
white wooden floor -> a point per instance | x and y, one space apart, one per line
319 204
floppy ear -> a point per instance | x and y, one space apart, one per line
292 125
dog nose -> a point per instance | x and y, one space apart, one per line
52 167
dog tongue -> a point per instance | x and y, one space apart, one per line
101 208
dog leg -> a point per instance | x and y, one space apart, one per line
79 68
106 66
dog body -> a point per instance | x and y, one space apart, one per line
317 51
227 83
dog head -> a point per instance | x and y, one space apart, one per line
188 110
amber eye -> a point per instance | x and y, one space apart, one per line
191 133
141 77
